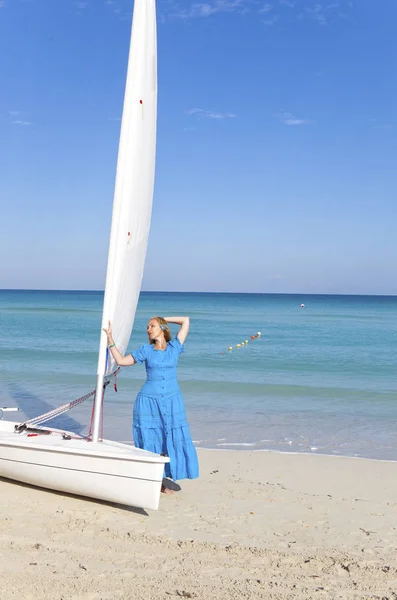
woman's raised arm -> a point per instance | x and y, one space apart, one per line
184 322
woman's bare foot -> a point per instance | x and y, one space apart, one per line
166 490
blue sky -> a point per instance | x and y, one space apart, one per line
276 156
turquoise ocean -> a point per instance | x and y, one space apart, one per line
320 379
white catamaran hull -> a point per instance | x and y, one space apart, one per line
105 470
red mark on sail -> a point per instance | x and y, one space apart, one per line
140 102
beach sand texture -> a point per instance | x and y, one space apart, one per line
255 525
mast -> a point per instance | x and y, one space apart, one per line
133 195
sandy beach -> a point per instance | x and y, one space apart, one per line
255 525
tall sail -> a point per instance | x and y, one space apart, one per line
133 195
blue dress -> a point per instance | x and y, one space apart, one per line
159 420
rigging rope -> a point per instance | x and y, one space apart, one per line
56 412
52 413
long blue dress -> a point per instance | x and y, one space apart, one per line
159 419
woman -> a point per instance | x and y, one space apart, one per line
159 421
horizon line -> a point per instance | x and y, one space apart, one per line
380 295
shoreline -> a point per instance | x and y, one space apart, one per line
319 454
246 447
265 525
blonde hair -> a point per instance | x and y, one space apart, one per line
164 326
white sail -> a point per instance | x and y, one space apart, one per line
132 205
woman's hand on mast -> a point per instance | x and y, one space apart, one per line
122 361
109 333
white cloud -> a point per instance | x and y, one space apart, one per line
320 12
324 14
288 118
206 9
16 119
317 13
202 9
266 8
209 114
18 122
117 10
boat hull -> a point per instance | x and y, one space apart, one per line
106 470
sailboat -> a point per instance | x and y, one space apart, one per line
91 466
